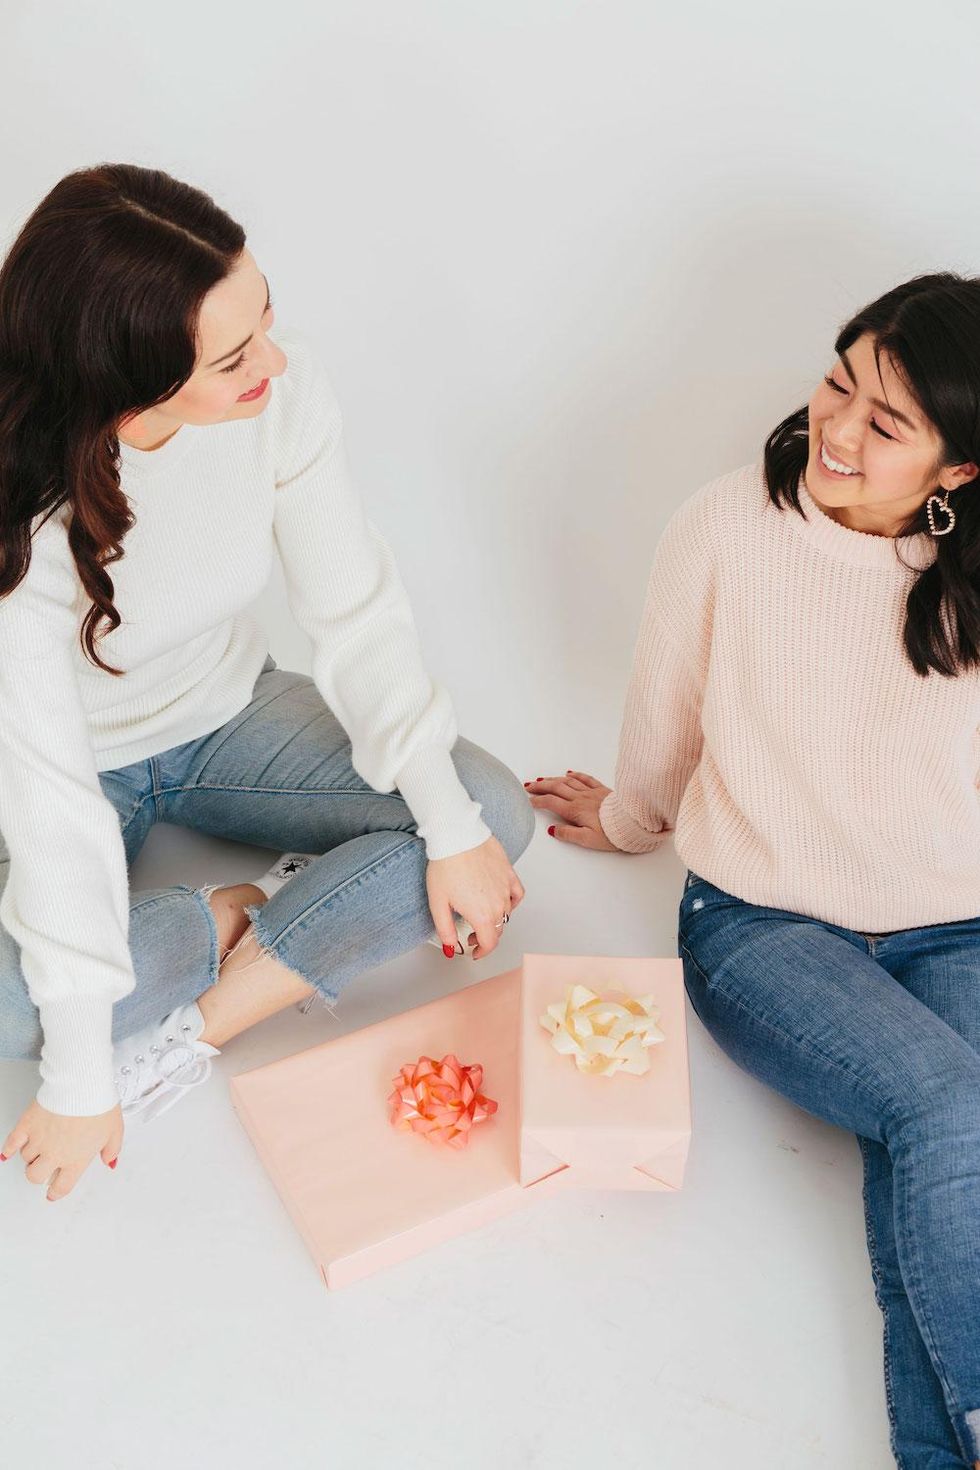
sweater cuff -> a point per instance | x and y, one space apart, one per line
447 817
76 1058
623 831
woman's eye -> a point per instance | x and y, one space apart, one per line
877 428
234 366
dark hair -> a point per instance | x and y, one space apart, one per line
929 328
99 301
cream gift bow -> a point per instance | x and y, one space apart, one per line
604 1036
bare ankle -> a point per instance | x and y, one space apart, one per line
228 906
252 985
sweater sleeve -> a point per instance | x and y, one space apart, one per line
661 738
66 899
345 592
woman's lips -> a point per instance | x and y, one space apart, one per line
831 474
256 392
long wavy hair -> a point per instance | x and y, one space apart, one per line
100 295
929 329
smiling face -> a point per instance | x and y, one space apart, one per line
873 426
235 356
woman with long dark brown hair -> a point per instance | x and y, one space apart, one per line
158 442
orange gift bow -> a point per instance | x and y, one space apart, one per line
603 1035
441 1100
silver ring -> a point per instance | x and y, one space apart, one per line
501 922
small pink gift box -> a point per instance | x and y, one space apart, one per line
599 1132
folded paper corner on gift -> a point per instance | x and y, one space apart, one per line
597 1159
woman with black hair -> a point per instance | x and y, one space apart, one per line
803 715
151 421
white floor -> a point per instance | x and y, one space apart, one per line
167 1314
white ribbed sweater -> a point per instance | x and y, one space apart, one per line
774 725
211 504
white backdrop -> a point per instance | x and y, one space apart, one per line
565 263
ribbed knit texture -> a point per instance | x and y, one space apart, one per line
211 504
774 725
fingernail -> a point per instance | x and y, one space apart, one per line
551 831
3 1158
528 783
539 778
114 1163
448 950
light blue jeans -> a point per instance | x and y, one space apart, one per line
278 775
879 1034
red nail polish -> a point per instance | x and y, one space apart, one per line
539 778
114 1163
551 831
448 950
3 1158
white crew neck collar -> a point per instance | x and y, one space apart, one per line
860 548
152 461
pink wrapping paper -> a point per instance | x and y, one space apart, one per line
364 1195
619 1132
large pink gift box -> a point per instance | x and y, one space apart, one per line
365 1195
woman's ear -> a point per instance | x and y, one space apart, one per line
960 474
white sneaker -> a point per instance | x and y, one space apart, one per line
286 867
158 1066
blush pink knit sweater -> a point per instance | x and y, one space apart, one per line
775 726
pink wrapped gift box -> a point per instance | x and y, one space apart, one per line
365 1195
617 1132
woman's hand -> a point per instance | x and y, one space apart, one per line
576 798
52 1144
481 886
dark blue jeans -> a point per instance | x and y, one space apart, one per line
880 1034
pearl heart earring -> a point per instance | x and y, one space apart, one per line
946 508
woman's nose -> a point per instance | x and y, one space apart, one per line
844 434
274 359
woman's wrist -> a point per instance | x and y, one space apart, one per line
623 830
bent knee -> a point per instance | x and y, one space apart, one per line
21 1037
504 803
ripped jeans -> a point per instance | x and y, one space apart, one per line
277 775
879 1034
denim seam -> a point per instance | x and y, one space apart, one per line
201 896
162 897
879 1295
923 1315
238 723
803 1045
284 790
138 807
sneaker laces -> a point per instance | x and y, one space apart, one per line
138 1093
